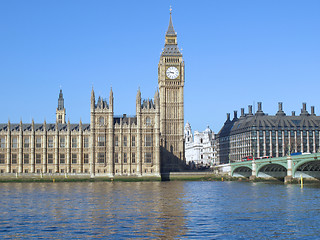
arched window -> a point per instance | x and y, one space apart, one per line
101 121
148 121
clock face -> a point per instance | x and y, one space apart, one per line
172 72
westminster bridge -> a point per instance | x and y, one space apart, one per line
305 165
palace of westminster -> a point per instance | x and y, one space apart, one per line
153 141
147 144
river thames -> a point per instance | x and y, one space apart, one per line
159 210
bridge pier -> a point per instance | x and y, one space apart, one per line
254 170
289 177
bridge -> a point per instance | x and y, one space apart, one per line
307 165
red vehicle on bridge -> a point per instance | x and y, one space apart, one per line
247 158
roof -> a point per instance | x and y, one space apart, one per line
266 122
40 127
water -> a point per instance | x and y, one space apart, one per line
159 210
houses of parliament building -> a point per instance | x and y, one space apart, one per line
147 144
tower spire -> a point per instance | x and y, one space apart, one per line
170 31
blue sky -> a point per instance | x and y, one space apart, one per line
236 52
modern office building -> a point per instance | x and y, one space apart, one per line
262 136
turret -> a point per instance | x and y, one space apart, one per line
61 111
92 100
138 101
111 99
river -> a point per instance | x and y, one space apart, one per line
159 210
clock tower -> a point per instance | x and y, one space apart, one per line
171 84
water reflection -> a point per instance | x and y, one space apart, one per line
164 210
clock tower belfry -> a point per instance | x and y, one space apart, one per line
171 84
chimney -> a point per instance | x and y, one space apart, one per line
250 109
280 106
304 111
235 114
293 113
259 106
228 116
242 112
312 111
304 106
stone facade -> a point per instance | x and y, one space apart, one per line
146 144
200 147
264 136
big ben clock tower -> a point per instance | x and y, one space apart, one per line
171 83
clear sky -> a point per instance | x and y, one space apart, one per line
236 52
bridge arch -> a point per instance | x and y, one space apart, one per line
274 170
307 168
242 171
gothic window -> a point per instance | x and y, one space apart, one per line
38 158
26 142
14 158
50 142
26 158
38 142
125 141
148 157
62 142
133 143
148 141
101 121
101 157
116 158
62 158
86 158
14 142
74 142
116 143
86 142
201 140
148 121
2 158
50 158
101 141
2 142
133 158
125 158
74 158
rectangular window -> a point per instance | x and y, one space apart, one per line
124 141
133 158
74 142
86 142
125 158
148 157
74 158
2 142
116 158
14 142
14 158
101 157
133 143
50 158
2 156
85 158
26 142
62 158
50 142
38 142
116 143
101 141
26 158
38 158
62 142
148 141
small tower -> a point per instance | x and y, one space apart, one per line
61 111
